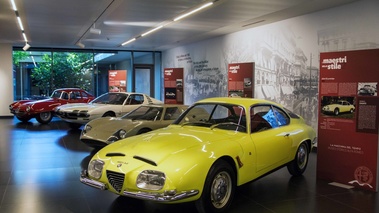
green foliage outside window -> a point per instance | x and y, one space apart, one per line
59 70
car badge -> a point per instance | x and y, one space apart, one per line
119 165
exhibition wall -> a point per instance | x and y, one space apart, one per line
6 78
285 53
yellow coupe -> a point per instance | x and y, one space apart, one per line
216 145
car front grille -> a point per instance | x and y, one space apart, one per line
73 115
116 180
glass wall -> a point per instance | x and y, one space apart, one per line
37 73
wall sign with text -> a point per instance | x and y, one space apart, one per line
173 86
241 79
347 149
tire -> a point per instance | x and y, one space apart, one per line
219 189
299 164
351 110
74 125
336 111
44 117
23 119
109 114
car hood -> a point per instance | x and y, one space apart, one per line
111 124
170 141
46 102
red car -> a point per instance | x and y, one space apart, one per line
43 110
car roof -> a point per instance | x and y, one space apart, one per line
247 102
69 89
164 105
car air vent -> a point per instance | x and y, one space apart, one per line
145 160
115 154
116 180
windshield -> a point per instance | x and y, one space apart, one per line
215 115
145 113
111 98
56 94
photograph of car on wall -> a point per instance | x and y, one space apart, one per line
338 106
368 89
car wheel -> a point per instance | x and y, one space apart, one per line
74 125
336 111
351 110
109 114
218 189
44 117
23 119
299 164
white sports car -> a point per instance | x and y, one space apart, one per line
113 104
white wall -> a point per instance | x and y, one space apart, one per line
283 52
6 79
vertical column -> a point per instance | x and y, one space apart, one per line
6 79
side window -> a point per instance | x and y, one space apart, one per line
74 95
135 99
171 113
267 117
64 95
281 117
257 120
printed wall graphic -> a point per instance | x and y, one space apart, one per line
173 85
348 118
240 80
285 53
117 80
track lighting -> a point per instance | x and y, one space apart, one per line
94 30
80 44
26 47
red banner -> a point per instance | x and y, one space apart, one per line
241 79
173 85
347 149
117 80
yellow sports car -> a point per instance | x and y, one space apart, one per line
216 145
103 131
339 107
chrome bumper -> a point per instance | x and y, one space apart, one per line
158 197
96 184
161 197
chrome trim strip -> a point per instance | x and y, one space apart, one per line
160 197
96 184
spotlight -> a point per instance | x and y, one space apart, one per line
95 30
26 47
80 44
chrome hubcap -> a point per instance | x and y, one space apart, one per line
221 189
302 156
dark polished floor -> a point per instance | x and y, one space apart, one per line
40 166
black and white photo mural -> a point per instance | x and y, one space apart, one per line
285 53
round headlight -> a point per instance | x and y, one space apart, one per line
28 108
87 128
151 180
122 134
95 168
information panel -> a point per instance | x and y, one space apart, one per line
173 85
241 79
347 150
117 80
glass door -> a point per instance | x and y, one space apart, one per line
143 82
